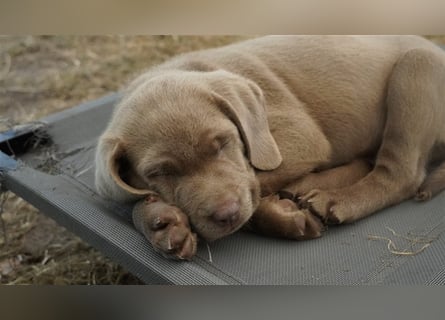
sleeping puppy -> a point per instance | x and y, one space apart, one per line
279 135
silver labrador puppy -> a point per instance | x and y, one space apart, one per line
280 135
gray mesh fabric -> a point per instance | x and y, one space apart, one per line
58 179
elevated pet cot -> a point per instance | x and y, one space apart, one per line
50 164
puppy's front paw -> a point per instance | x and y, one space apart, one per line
325 205
167 228
282 218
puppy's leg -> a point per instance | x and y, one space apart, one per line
415 103
433 184
281 218
338 177
166 227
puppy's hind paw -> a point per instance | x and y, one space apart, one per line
423 195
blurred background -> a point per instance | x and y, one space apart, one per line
40 75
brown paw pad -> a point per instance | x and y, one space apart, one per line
168 230
311 228
299 224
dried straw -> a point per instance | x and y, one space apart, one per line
413 241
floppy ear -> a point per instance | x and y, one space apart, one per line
242 101
115 178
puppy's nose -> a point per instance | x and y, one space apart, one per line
227 213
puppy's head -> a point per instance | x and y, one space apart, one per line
195 139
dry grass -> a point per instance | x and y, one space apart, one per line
42 75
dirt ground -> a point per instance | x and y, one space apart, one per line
46 74
43 75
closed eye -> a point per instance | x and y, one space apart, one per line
222 142
161 170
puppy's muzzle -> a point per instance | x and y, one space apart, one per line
227 213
